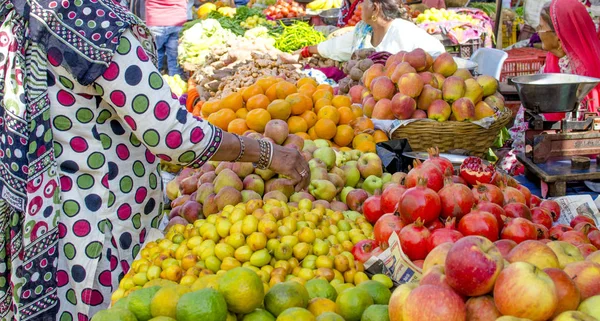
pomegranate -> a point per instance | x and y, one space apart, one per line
444 164
479 223
363 250
390 198
458 180
474 171
505 246
557 230
419 263
584 227
553 207
457 200
515 210
498 179
519 230
446 234
542 231
495 209
541 216
594 237
435 177
534 201
526 192
385 226
582 218
586 249
413 240
435 225
574 237
512 195
420 202
372 209
488 192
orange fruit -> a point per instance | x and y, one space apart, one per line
312 134
222 118
346 115
344 135
310 117
304 136
325 87
321 103
233 101
241 113
252 91
366 147
341 101
257 119
237 126
297 124
307 89
266 82
322 93
306 80
210 107
362 124
271 93
259 101
279 109
358 139
325 128
284 89
329 112
357 111
299 102
380 136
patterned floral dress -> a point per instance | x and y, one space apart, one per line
108 140
510 163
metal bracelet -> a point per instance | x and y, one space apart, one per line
242 149
265 152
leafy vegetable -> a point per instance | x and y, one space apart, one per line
197 41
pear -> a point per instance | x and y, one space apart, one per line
173 189
227 178
204 191
250 195
265 174
222 166
322 189
255 183
228 196
298 196
277 195
280 184
473 90
242 169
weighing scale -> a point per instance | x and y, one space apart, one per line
559 152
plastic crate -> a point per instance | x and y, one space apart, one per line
523 61
509 38
462 50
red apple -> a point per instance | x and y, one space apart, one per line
363 250
582 218
398 300
567 253
385 226
542 216
524 291
482 308
505 246
433 303
390 198
566 291
586 275
435 276
372 209
472 265
437 256
519 230
534 252
554 208
586 249
594 257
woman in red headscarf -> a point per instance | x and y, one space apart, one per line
569 35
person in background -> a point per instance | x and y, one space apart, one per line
569 35
86 120
347 12
165 19
385 26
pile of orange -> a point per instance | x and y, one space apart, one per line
311 111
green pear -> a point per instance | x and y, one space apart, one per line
386 178
309 145
250 195
321 143
351 173
322 190
327 155
227 178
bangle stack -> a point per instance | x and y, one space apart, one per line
266 154
305 53
242 149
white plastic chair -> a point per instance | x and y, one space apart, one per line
489 61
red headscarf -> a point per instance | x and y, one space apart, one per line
577 33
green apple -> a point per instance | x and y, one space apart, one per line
352 174
316 163
322 190
370 164
345 192
327 155
591 306
355 154
352 215
321 143
373 184
309 146
386 178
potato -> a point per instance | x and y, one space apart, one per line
365 64
356 74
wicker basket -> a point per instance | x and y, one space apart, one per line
451 135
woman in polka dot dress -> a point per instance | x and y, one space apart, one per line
85 119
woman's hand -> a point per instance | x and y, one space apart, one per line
289 162
292 58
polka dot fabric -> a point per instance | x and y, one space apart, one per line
106 138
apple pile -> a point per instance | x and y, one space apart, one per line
414 85
476 279
432 206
